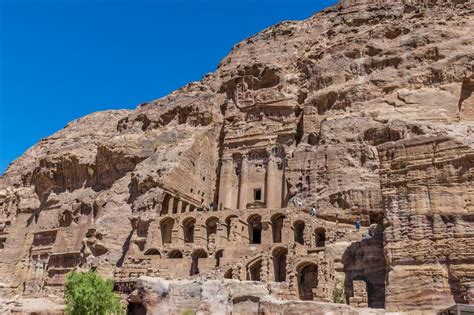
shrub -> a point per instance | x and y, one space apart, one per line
187 311
87 293
339 296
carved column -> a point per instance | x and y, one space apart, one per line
307 233
286 231
180 233
175 233
266 232
265 271
180 206
200 232
171 205
273 184
221 235
243 185
155 229
284 187
225 184
233 224
271 268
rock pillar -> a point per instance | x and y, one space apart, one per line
267 232
157 237
180 206
225 185
175 233
171 205
243 185
221 234
180 232
233 230
273 185
284 187
287 232
200 232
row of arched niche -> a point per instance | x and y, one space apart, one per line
254 226
307 272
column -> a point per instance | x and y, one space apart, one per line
170 205
266 232
180 231
221 235
175 231
266 271
155 230
284 188
180 206
308 233
273 184
286 231
243 184
200 232
187 208
233 229
225 184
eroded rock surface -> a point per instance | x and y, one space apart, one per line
202 296
365 110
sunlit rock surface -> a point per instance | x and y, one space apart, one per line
364 110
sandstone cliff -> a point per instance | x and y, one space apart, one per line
365 109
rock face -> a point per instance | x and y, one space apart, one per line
225 297
365 110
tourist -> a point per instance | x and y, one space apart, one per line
357 224
297 202
313 211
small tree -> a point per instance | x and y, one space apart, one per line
339 296
188 311
87 293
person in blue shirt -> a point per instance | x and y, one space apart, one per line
358 224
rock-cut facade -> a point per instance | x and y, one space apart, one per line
364 111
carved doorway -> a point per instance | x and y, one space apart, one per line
307 281
279 263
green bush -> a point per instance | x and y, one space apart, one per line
187 311
87 293
339 296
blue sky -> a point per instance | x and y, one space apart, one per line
63 59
